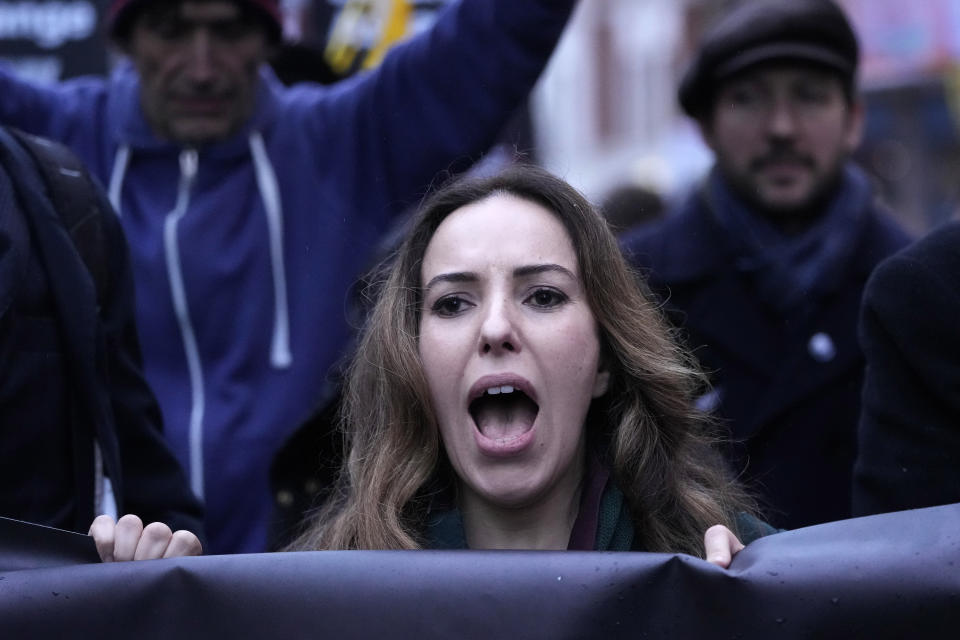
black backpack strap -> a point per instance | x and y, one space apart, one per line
76 200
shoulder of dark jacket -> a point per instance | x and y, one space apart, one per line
683 247
938 249
931 265
76 199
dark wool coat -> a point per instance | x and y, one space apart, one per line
910 331
70 374
786 387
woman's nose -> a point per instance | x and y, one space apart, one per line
498 331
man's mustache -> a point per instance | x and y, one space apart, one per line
782 156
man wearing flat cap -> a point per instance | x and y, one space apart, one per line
764 265
250 208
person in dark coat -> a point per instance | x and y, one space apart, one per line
764 264
909 455
79 427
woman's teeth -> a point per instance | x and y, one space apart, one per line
497 390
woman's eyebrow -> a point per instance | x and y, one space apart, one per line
456 276
535 269
519 272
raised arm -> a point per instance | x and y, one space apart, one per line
438 101
58 111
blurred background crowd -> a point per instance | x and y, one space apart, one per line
604 115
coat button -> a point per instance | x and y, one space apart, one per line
284 498
821 347
708 402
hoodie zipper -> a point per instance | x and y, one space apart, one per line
188 172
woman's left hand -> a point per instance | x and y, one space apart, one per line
720 545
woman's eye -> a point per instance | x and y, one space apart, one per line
546 298
449 306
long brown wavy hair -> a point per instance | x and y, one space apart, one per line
659 448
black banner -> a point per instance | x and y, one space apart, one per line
24 545
888 576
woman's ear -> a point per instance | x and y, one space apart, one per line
602 381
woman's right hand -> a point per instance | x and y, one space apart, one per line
720 545
128 539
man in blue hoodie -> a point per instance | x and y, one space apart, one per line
250 207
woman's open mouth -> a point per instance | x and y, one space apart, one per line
504 416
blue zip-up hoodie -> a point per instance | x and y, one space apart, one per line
244 251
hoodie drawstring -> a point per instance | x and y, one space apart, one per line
120 163
280 356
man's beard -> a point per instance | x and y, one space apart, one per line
791 217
